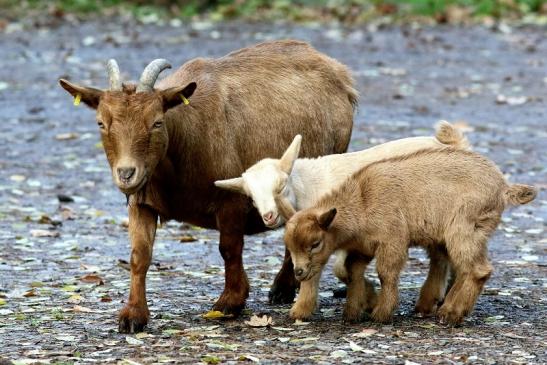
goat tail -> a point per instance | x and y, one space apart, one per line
518 194
447 134
353 96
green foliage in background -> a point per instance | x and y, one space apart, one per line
299 10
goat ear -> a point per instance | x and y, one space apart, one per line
235 184
284 205
90 96
177 95
326 219
291 154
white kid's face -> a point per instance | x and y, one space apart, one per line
264 180
261 183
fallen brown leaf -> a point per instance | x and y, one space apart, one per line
92 279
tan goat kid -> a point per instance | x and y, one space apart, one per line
445 198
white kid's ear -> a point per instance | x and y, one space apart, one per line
291 154
235 184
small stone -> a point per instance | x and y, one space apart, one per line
65 198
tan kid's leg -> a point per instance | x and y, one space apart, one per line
390 260
360 294
472 272
142 231
307 298
466 247
434 288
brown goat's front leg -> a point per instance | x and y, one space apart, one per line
231 224
142 231
285 284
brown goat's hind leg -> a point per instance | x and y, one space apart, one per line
142 231
231 223
434 288
284 286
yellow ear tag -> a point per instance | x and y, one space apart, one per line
77 99
184 100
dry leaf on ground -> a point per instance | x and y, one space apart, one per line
92 279
215 315
257 321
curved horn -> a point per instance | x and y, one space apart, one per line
114 75
150 74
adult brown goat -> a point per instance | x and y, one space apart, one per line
165 152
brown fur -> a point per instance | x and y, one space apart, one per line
248 105
446 200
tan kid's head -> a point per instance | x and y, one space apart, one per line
307 237
131 121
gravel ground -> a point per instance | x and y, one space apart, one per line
63 240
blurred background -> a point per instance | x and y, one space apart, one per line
346 11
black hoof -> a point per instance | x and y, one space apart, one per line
280 295
340 292
126 325
231 311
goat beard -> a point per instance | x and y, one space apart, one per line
137 197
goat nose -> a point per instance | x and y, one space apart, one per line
268 216
125 173
299 272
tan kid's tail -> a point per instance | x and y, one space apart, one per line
518 194
448 134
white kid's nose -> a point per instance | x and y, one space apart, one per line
268 216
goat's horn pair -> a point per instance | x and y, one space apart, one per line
148 77
150 74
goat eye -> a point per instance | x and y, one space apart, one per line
157 124
315 245
101 125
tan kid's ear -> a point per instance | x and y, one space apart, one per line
326 219
291 154
90 96
177 95
284 205
235 184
